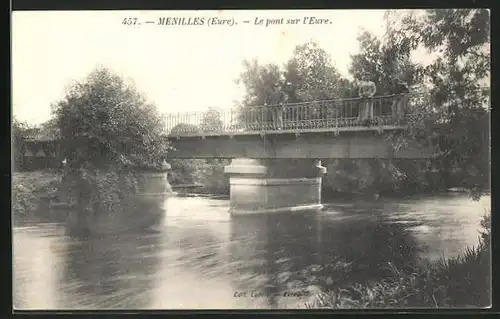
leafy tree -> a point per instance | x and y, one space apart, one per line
458 82
311 75
18 133
104 120
308 76
384 60
213 178
211 121
185 171
258 81
182 127
209 173
456 98
108 130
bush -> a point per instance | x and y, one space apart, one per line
29 191
108 132
208 173
23 201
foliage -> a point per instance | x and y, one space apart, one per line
454 95
28 191
383 61
308 76
458 85
108 130
379 176
214 180
182 127
258 81
185 171
23 199
104 120
485 231
18 130
211 121
208 173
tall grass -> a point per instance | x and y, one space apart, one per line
462 281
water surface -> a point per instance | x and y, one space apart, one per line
200 257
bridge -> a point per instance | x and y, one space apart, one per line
256 138
319 129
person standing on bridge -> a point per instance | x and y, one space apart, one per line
276 99
366 91
400 92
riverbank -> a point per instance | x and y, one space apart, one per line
30 194
463 281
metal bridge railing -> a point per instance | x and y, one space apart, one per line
299 117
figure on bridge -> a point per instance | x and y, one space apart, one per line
401 92
367 90
276 99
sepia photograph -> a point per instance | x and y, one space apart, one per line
251 159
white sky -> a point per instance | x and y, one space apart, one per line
179 68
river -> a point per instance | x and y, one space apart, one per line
201 258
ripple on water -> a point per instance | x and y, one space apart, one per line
202 257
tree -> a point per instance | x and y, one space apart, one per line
103 120
308 76
182 128
108 130
458 81
384 60
258 81
211 121
456 98
207 172
18 134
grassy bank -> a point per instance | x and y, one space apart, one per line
30 193
463 281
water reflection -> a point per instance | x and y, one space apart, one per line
365 245
35 268
201 258
271 250
114 272
287 257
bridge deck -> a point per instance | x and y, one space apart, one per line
308 117
331 129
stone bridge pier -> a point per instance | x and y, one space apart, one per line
265 186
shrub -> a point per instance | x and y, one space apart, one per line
29 191
108 131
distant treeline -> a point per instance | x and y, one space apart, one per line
345 176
